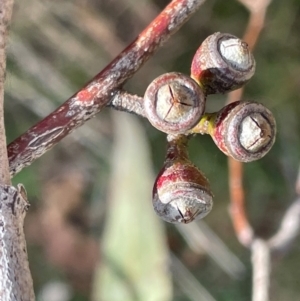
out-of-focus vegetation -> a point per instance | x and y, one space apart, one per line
57 46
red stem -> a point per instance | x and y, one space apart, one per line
241 223
98 92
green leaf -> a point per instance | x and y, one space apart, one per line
134 259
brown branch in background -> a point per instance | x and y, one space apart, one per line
98 92
297 185
257 9
290 224
238 214
261 263
239 217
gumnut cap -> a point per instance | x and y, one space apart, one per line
222 63
174 103
246 131
182 194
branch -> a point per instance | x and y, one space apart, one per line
289 229
5 16
242 227
261 262
239 217
123 101
87 102
15 278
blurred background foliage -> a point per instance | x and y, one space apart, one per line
91 231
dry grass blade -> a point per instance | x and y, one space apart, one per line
201 238
188 283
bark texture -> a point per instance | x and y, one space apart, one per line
15 278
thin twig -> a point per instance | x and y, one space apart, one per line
297 185
239 217
288 230
238 214
124 101
98 92
242 226
188 283
261 263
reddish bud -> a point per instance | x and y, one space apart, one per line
222 63
244 130
181 192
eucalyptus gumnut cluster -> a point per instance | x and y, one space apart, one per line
174 103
